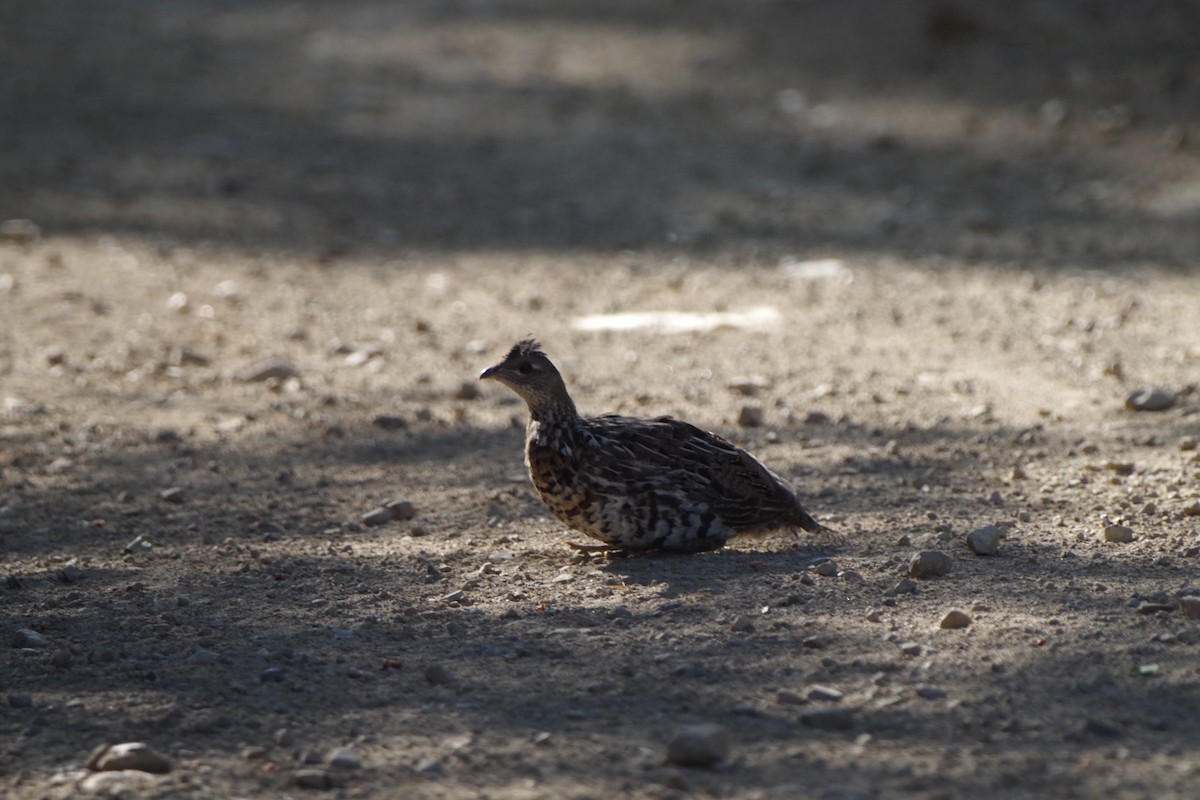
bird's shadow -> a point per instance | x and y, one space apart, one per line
681 573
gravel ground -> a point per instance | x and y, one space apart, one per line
919 257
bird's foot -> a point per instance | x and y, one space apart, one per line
610 550
830 536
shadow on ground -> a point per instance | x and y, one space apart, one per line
599 127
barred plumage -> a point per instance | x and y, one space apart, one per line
640 484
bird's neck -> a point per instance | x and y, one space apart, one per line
557 411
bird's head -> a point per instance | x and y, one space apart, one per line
528 372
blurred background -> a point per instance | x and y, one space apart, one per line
1045 132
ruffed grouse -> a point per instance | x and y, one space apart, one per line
640 484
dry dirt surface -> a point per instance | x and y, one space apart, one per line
914 255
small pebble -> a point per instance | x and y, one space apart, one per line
911 649
128 755
438 675
1191 510
930 564
749 385
175 494
429 767
903 586
826 569
1101 728
930 692
344 758
312 779
139 544
985 541
389 422
701 745
742 624
254 753
70 573
786 697
270 371
828 719
750 416
1157 399
401 510
1153 607
272 675
1188 443
26 637
380 516
825 694
955 619
1190 606
1117 533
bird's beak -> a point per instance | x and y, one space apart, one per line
489 373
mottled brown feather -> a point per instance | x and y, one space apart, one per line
640 484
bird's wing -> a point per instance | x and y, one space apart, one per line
671 456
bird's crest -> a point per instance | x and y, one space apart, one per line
526 347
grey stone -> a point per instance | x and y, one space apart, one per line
903 586
128 755
1098 727
175 494
1118 533
751 415
402 510
829 719
439 675
431 767
270 371
1157 399
700 745
825 694
344 758
929 564
955 619
985 541
377 517
27 637
312 779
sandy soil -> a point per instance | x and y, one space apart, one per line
936 246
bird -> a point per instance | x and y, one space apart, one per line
637 484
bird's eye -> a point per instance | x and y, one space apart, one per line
525 368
